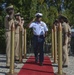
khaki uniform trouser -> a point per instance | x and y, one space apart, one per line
8 47
17 46
69 40
65 54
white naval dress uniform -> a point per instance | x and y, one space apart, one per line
39 29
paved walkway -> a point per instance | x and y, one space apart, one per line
3 70
69 70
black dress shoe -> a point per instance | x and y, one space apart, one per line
36 60
16 59
41 64
65 66
7 67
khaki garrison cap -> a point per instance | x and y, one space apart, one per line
17 14
9 7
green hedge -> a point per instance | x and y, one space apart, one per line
2 41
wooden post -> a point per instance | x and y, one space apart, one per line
20 45
60 71
52 44
11 72
55 44
24 43
60 50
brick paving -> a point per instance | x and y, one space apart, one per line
69 70
3 70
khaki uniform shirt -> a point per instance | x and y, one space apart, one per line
69 35
22 30
16 27
65 30
8 23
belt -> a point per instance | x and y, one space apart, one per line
39 35
16 33
7 30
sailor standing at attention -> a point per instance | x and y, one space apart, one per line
9 21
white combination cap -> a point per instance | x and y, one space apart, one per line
38 14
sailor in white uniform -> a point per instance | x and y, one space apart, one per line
40 31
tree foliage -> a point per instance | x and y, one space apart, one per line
28 8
